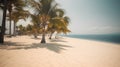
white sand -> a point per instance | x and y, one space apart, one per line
25 51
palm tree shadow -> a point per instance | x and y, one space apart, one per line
10 45
36 38
57 40
55 47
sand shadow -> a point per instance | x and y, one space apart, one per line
57 40
36 38
9 45
55 47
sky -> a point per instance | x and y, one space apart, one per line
91 16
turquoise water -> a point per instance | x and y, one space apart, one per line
106 38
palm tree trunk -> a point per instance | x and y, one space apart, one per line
43 36
3 23
51 35
14 32
10 24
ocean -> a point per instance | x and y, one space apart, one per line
106 37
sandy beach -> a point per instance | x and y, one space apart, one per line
25 51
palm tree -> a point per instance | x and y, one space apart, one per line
36 25
14 4
50 17
17 15
4 3
44 8
64 28
58 23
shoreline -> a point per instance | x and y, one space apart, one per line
100 38
92 40
24 51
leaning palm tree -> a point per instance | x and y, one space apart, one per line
58 23
64 28
3 4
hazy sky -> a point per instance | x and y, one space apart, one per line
93 16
